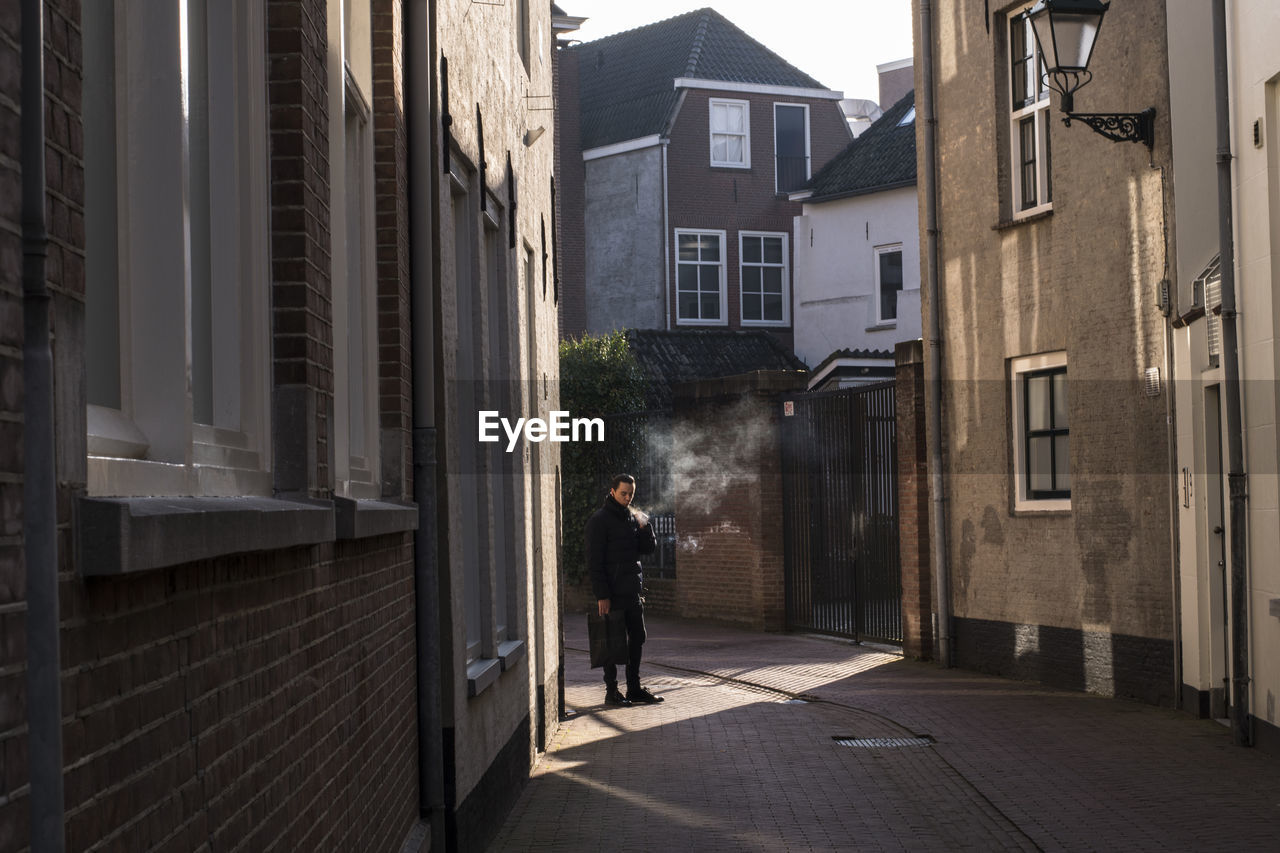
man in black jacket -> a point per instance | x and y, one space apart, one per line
616 537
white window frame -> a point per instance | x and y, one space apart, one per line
785 266
1018 368
882 320
1038 113
712 133
808 152
722 236
353 252
145 440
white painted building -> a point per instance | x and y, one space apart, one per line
1202 490
857 256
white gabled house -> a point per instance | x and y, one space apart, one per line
857 263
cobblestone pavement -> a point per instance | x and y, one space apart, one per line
742 756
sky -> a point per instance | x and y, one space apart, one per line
838 42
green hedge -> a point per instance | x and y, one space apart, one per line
598 376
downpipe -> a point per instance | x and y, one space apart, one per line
40 479
1236 479
424 189
933 343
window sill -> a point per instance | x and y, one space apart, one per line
481 675
734 167
511 653
361 519
1042 508
883 327
1035 216
119 536
712 323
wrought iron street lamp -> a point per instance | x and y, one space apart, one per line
1066 31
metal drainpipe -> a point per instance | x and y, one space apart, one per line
40 478
933 362
424 196
1236 478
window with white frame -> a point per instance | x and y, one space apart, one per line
888 282
356 432
177 269
1030 170
763 273
1041 432
700 277
730 133
790 146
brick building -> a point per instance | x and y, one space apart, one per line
1051 246
239 604
680 142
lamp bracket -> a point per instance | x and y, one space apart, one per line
1120 127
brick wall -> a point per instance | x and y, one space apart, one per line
245 702
728 483
913 502
395 340
14 818
740 199
302 337
241 703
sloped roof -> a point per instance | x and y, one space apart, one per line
883 157
684 355
626 80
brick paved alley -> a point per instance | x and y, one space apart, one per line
733 762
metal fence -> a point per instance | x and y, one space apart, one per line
840 513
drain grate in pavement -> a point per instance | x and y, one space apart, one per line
883 742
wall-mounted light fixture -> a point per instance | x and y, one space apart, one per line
1066 31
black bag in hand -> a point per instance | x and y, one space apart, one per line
607 636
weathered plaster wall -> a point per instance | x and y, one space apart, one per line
625 254
1080 279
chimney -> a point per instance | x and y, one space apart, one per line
896 79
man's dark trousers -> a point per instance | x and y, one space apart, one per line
634 620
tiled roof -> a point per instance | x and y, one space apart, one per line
684 355
858 354
627 80
882 158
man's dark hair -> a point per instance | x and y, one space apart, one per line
621 478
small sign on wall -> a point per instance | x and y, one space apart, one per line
788 407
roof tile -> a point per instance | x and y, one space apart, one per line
626 80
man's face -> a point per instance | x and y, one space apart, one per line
623 493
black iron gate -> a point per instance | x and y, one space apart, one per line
840 513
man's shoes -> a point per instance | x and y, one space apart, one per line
613 696
642 696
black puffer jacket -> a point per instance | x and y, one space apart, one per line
615 542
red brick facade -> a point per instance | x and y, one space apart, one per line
391 146
703 196
729 503
913 503
300 263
